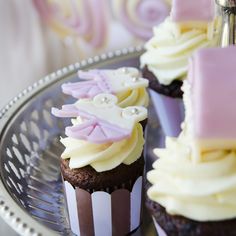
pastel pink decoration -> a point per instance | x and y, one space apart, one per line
93 129
140 19
97 131
66 111
89 22
188 10
88 89
88 74
102 121
213 89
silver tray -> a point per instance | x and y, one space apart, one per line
31 197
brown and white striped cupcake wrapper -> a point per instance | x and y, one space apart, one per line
104 214
159 230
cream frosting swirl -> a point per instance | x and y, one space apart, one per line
134 97
202 191
104 157
168 51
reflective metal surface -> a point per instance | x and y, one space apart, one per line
226 3
228 29
31 195
6 230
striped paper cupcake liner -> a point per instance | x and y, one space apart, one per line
100 213
159 230
170 112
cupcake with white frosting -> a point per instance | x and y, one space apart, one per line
191 26
193 183
102 165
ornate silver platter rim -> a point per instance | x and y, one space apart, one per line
10 211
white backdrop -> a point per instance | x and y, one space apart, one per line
29 49
26 48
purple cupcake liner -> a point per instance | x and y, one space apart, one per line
170 112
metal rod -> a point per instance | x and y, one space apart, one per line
226 3
228 33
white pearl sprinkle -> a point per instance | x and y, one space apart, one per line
135 111
135 79
125 70
105 100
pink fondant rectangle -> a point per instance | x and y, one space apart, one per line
192 10
213 89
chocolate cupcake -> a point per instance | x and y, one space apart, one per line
165 62
193 183
102 165
182 226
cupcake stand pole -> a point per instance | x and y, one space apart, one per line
228 11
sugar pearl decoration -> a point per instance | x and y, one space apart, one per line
125 70
105 100
135 111
135 79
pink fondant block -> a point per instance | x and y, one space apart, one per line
192 10
213 85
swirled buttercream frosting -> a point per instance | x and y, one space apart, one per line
202 191
172 44
103 134
106 156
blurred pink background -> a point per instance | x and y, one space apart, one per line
40 36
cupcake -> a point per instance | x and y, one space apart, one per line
126 83
102 165
193 183
191 25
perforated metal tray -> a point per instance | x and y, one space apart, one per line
31 197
